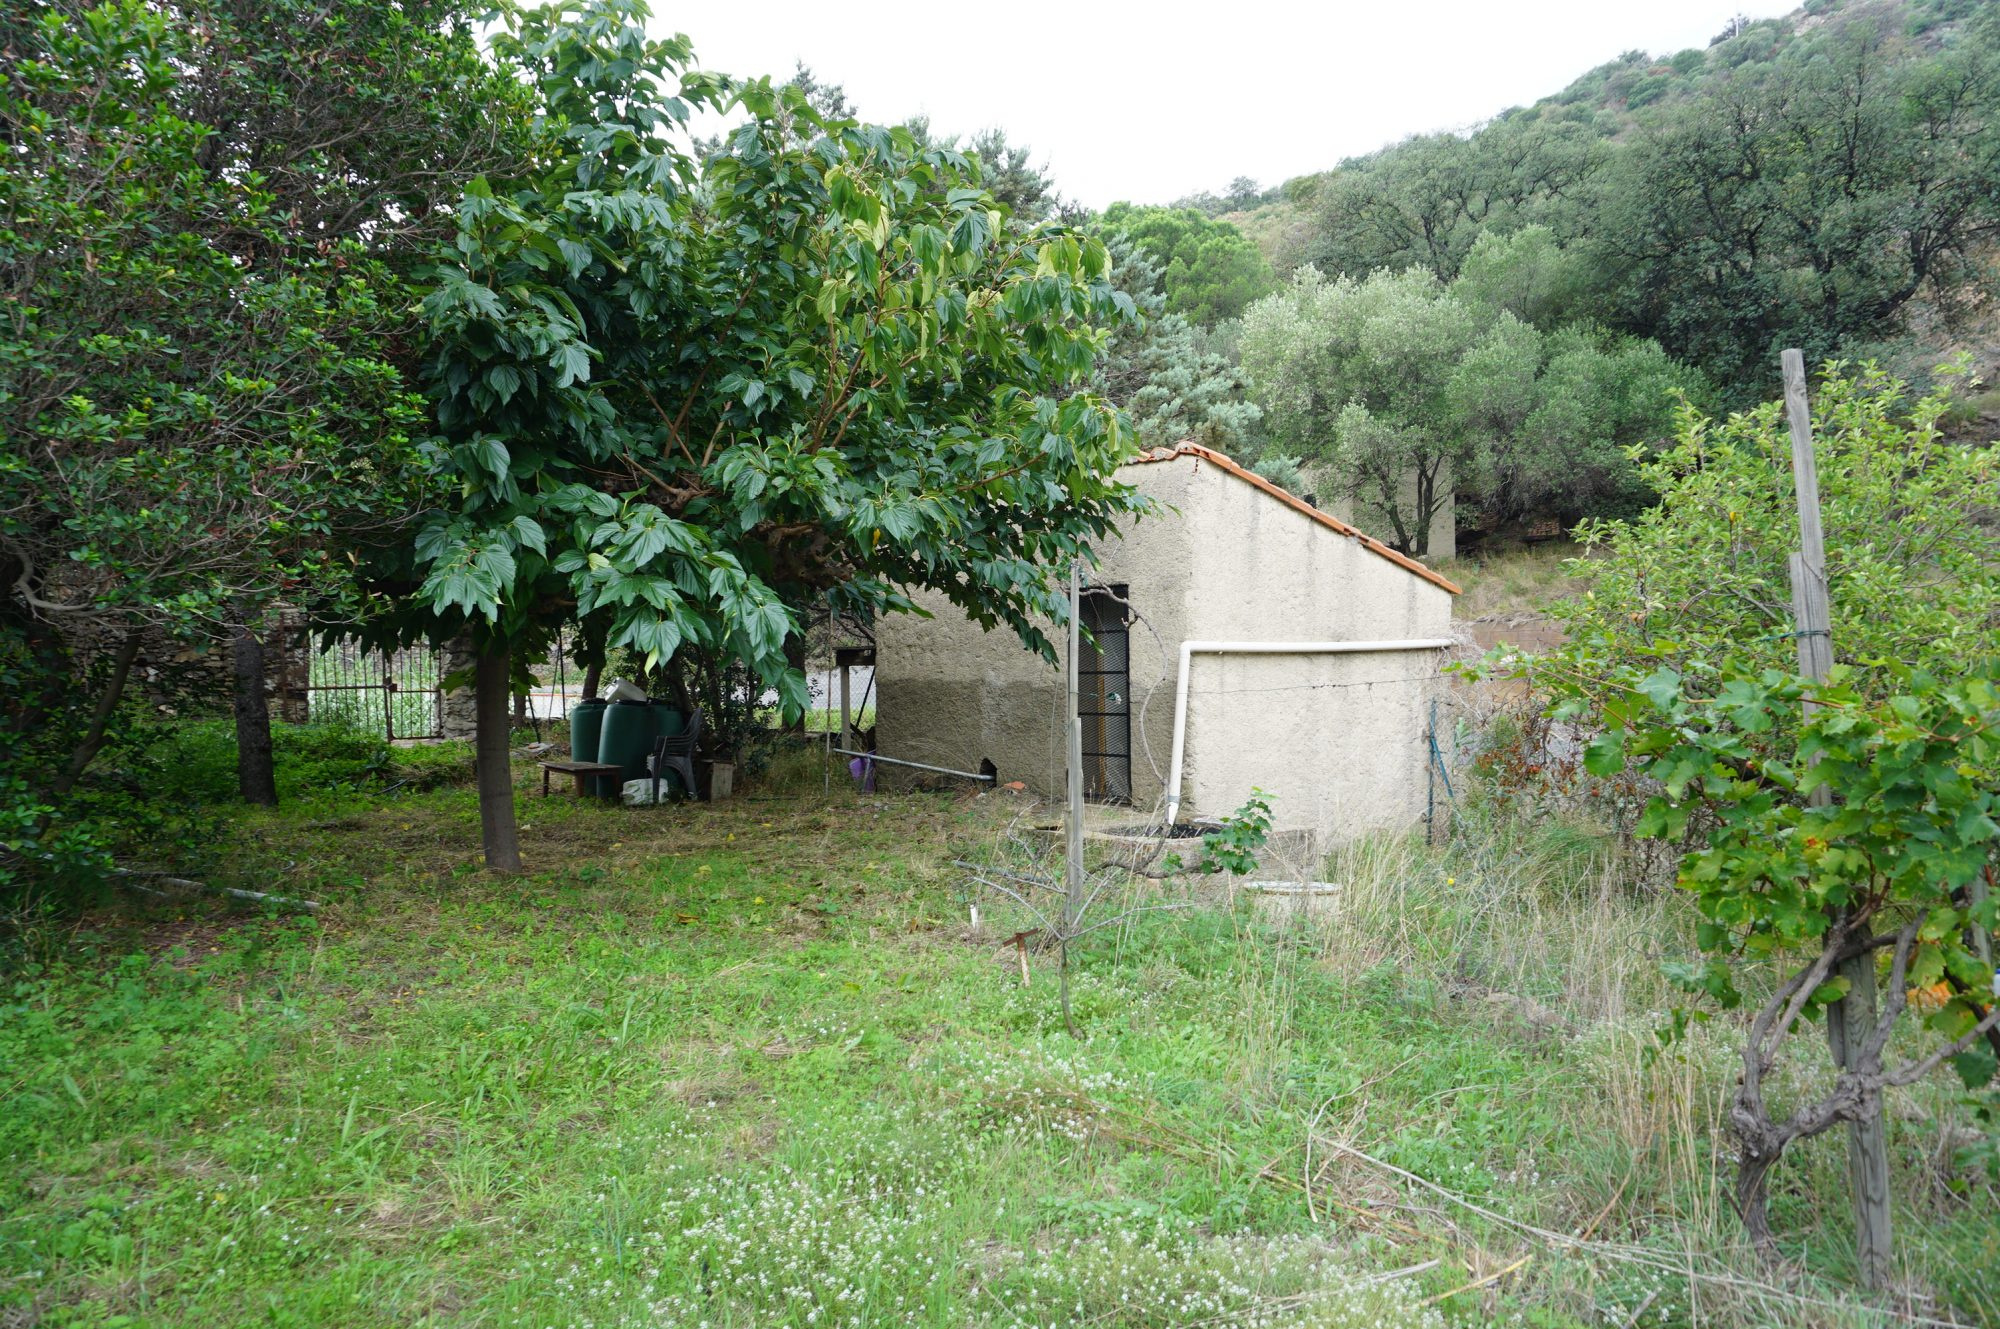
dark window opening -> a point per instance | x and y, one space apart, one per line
1104 695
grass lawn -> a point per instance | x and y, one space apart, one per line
751 1064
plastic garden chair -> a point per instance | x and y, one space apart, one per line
675 752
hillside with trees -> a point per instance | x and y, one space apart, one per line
1828 180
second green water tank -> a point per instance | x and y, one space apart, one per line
627 737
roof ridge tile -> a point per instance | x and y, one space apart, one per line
1290 500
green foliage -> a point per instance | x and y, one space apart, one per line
205 217
1822 185
1425 202
1167 373
1527 273
681 400
1824 823
1397 385
206 414
1233 847
1008 172
1910 552
1242 194
191 763
1208 270
1828 823
1907 832
1285 472
1808 202
1603 403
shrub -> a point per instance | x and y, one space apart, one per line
1285 472
1896 861
1912 563
193 763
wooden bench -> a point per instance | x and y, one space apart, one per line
583 770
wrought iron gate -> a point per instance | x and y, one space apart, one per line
398 694
1104 701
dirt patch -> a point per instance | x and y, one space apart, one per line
704 1073
1534 633
187 942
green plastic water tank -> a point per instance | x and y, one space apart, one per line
627 737
586 728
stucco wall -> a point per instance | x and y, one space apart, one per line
950 693
1337 739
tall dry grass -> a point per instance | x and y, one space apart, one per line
1547 933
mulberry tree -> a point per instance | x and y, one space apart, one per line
679 400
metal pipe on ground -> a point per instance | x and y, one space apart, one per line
916 765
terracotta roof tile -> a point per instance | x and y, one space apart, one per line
1297 504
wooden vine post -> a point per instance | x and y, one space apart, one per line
1073 847
1867 1142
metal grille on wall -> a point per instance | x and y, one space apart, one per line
398 694
1104 702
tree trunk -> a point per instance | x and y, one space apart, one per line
591 677
1426 486
256 779
1847 1024
86 750
493 762
674 674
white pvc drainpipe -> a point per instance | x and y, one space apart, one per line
1190 648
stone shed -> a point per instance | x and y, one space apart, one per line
1244 638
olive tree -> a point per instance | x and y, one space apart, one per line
1395 385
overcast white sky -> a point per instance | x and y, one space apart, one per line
1151 102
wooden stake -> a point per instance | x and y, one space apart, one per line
846 721
1867 1143
1073 858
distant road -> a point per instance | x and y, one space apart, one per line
547 702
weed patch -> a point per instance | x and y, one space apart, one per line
747 1063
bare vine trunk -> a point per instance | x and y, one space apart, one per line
1753 1200
493 761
